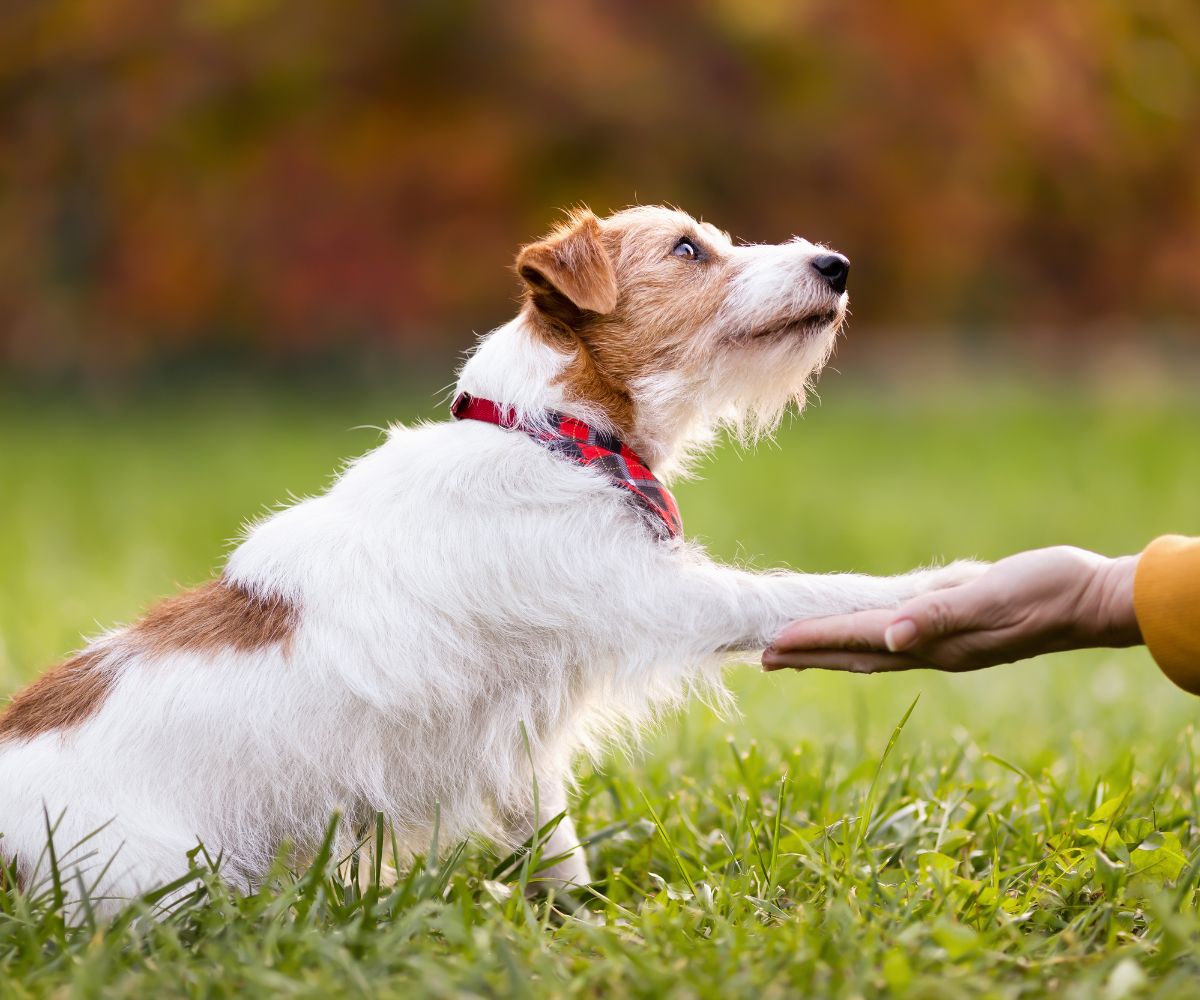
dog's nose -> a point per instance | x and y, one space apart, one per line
834 268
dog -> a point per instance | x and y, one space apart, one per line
471 605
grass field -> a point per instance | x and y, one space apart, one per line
1032 830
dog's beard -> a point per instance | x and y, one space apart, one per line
760 380
743 386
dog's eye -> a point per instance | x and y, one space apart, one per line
686 249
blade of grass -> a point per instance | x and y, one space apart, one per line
869 803
670 844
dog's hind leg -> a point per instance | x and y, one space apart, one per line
562 863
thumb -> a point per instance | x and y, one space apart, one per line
924 619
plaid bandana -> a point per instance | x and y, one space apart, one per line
575 440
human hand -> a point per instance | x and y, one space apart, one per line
1042 601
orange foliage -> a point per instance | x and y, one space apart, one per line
291 176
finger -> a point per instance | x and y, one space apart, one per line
933 616
844 661
862 630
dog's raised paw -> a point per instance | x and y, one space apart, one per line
954 574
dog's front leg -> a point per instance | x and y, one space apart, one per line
727 610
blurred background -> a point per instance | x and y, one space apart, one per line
239 236
261 183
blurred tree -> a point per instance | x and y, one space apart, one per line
291 177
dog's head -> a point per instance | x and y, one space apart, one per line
671 328
667 329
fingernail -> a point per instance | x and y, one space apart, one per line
900 634
772 660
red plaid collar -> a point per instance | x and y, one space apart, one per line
590 447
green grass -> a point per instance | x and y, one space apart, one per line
1032 829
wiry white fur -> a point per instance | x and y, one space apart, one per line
457 585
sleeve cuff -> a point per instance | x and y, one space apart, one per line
1166 600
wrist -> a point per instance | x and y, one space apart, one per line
1115 623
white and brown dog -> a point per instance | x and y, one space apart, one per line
471 604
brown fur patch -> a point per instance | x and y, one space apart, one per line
60 699
213 616
569 272
659 300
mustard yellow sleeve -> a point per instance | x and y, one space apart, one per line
1166 599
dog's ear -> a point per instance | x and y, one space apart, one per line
569 273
